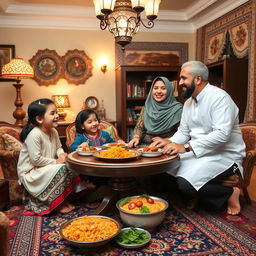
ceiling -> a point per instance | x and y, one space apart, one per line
183 16
165 4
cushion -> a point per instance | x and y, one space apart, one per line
111 132
11 143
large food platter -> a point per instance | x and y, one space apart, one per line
137 154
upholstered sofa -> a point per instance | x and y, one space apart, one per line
9 153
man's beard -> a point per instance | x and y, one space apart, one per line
187 94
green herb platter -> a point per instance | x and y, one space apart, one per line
132 238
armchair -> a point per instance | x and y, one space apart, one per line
8 161
249 136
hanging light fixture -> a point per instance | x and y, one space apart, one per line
122 17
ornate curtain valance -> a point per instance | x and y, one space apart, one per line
239 37
215 46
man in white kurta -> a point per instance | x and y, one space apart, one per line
208 139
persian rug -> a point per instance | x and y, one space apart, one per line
183 232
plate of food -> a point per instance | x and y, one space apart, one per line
115 144
86 151
132 237
90 231
117 154
150 151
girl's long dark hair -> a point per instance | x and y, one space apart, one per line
83 116
35 109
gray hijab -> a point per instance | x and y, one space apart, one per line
160 117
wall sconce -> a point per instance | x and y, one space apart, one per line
104 68
18 69
104 64
61 102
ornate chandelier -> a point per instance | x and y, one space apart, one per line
122 17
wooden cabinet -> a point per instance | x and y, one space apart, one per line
132 86
232 75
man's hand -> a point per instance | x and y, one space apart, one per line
159 142
173 148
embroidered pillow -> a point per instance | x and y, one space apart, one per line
11 143
111 132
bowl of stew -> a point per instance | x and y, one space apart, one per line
142 211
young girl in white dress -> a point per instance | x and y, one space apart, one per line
41 165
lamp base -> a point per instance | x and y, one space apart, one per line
62 115
19 114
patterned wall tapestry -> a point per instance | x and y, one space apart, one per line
240 26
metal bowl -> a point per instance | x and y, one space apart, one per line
148 221
133 246
89 244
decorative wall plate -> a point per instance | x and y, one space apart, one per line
47 66
77 66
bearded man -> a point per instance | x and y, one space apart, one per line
208 140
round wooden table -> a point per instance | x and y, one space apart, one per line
122 175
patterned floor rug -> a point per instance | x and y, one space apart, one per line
183 232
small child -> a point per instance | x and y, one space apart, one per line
41 165
89 133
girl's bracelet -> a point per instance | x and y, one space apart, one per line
136 136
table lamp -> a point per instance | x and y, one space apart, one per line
61 102
18 69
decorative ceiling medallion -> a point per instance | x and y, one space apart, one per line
77 67
47 67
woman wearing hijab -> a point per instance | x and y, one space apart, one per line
160 116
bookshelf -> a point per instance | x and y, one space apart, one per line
231 74
132 86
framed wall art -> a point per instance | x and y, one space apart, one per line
7 52
77 66
152 54
47 67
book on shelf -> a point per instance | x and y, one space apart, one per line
128 91
135 90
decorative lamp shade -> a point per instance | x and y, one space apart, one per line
123 22
138 3
61 101
106 6
17 69
152 8
98 12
